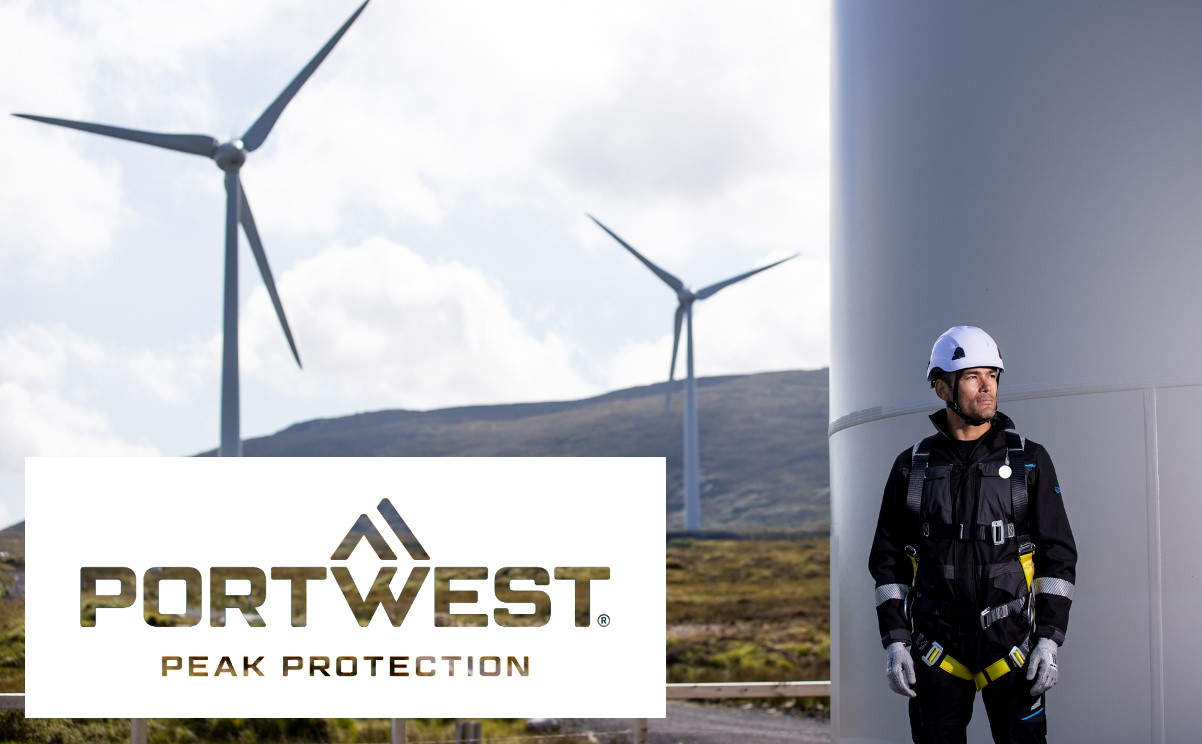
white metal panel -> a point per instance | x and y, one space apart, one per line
872 711
1098 445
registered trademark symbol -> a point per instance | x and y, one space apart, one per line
603 620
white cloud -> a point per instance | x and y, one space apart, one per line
379 323
40 355
564 106
776 320
178 374
57 392
42 423
74 218
340 153
638 362
48 407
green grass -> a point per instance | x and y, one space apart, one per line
12 611
15 728
12 644
748 610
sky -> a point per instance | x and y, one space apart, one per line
422 202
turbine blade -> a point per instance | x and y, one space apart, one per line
256 247
258 131
714 288
195 144
668 279
675 348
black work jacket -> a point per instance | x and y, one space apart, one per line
1047 526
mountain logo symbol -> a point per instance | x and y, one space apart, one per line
365 529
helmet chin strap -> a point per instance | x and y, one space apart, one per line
954 403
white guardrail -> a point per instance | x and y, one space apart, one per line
700 691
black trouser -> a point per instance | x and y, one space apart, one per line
940 713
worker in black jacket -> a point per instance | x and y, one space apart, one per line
974 560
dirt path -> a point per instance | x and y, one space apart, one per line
692 723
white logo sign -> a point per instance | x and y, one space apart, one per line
345 587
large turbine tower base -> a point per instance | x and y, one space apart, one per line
1031 168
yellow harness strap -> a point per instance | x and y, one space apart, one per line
955 668
991 673
1028 563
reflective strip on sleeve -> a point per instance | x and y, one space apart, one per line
1059 587
887 592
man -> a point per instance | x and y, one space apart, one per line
973 558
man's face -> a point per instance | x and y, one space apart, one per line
978 392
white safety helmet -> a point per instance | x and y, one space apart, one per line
963 347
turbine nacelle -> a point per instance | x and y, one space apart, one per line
231 156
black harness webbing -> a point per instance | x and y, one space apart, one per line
1015 460
918 465
996 533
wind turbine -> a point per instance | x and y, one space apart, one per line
229 157
684 313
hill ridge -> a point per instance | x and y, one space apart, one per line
764 451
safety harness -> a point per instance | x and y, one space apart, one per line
997 532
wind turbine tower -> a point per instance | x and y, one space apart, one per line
229 157
684 315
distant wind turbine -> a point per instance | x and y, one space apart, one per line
229 157
684 312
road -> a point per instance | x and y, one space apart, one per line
693 723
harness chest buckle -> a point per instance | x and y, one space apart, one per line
998 530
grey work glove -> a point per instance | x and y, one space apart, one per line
1042 668
899 668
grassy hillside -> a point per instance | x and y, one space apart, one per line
12 609
763 442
